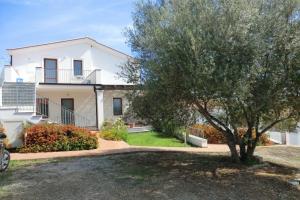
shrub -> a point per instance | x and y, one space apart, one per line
5 141
2 130
214 136
114 131
53 137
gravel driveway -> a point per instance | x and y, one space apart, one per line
147 176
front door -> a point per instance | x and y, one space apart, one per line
67 111
50 70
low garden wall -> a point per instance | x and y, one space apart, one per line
197 141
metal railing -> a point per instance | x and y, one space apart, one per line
61 75
94 77
54 112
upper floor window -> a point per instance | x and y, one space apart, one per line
117 106
77 66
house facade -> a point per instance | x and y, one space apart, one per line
68 82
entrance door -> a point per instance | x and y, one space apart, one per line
50 70
67 111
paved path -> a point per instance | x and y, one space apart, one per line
116 147
281 154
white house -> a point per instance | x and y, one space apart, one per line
70 82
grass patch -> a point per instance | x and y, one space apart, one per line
17 164
153 138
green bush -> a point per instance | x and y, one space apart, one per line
53 137
114 131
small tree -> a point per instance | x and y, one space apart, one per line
237 56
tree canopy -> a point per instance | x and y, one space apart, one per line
236 62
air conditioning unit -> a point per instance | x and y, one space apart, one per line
79 77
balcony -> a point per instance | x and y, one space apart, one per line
67 76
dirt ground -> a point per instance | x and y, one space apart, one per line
140 176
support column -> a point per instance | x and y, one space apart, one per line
100 107
0 96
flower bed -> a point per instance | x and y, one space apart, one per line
53 137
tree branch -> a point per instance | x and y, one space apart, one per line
211 119
272 124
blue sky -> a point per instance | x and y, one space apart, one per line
27 22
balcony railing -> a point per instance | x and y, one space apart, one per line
67 76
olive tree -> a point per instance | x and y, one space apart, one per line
238 57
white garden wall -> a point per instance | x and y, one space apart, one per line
288 138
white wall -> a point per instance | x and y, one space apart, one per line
288 138
85 103
293 139
26 60
12 122
108 103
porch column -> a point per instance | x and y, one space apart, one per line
100 107
0 96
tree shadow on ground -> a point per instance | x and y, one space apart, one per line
207 172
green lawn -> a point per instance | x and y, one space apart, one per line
153 138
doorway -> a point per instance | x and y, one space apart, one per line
67 111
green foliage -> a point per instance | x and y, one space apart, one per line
240 58
164 115
52 137
114 131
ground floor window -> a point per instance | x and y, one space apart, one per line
117 106
42 107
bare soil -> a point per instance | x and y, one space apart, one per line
139 176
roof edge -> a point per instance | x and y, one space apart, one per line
69 40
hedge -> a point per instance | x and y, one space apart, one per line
54 137
214 136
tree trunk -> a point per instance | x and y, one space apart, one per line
232 146
234 153
250 152
243 153
247 151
